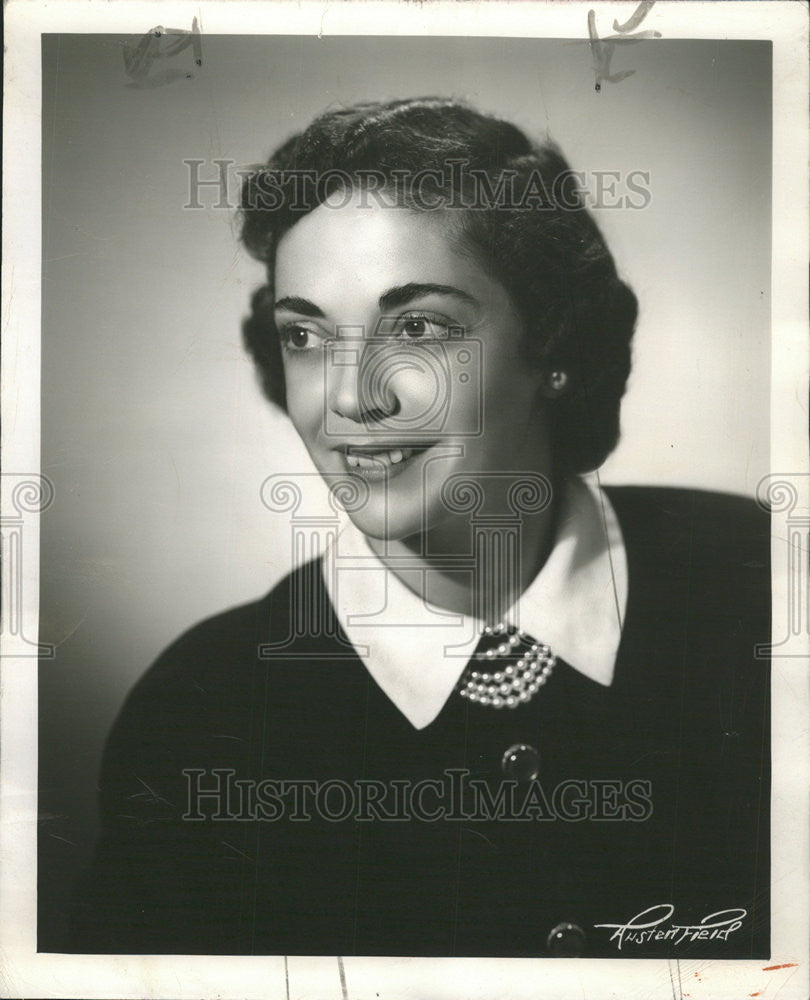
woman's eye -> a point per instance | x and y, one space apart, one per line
299 338
422 328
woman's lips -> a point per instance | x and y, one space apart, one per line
368 460
379 463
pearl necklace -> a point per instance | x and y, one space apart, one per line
527 667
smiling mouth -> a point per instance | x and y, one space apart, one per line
382 459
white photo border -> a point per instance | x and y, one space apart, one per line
29 974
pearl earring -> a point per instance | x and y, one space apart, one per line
558 381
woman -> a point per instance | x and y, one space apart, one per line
506 713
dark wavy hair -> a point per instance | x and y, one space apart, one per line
551 258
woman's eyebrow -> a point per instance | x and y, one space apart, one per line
394 298
299 305
403 294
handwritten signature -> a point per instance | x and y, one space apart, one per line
717 925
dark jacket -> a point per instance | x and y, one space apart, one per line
652 792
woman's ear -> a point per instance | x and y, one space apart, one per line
555 384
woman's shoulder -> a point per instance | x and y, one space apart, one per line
207 679
683 502
698 565
702 525
221 650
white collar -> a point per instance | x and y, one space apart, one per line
416 653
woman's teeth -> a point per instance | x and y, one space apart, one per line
393 457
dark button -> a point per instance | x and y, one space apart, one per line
566 941
521 762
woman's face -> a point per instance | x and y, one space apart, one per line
402 363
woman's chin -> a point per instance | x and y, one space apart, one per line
384 525
390 521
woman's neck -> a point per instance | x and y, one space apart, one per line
478 567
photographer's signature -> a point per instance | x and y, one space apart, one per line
647 926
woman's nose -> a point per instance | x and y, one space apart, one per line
357 387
